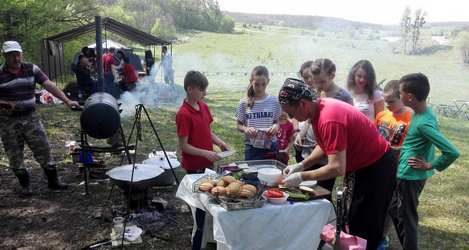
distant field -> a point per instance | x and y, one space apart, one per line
227 57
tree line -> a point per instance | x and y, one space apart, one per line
29 21
166 17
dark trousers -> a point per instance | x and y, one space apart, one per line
371 197
252 153
298 157
199 233
403 211
199 220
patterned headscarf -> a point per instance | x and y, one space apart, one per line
293 90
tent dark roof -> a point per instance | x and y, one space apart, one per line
114 26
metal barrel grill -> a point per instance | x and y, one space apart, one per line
100 117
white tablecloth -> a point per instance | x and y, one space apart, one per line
288 226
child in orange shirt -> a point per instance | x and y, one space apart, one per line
394 122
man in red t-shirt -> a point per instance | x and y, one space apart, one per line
353 145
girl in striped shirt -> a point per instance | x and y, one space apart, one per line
257 117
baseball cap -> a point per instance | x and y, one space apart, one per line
294 90
10 46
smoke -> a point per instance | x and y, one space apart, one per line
151 93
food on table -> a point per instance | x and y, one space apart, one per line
247 191
249 187
308 190
274 193
206 186
228 179
297 196
227 186
233 189
218 191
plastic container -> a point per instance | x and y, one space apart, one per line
269 176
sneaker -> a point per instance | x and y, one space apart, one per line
384 244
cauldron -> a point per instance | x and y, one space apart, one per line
145 176
100 117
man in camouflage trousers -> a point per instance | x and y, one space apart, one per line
19 121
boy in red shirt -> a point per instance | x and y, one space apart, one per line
196 139
193 121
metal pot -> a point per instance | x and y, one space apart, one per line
166 178
145 176
100 117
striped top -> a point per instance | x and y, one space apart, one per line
19 88
263 114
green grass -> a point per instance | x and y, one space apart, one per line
284 49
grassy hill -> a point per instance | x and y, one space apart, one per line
227 59
302 21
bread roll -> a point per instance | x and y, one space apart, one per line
228 179
206 186
219 191
249 187
246 193
233 189
222 183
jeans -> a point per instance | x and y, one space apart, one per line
252 153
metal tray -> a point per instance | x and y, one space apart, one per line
238 204
230 203
204 178
258 164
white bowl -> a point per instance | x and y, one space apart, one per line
269 176
276 200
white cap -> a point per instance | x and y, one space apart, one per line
10 46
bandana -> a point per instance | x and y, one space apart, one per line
294 90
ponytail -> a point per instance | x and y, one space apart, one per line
257 71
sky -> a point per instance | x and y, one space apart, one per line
371 11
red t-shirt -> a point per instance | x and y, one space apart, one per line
129 75
338 126
195 125
284 134
108 60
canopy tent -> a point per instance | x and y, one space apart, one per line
109 44
52 49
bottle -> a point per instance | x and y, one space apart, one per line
398 133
